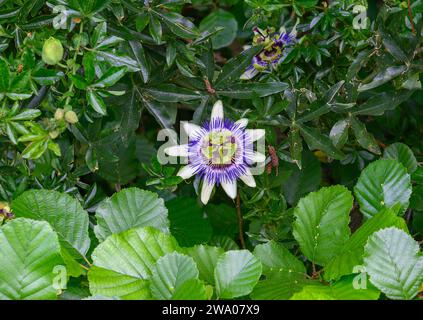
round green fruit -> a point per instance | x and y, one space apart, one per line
71 117
52 51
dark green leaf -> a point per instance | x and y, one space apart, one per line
110 77
235 67
96 102
246 90
224 19
317 141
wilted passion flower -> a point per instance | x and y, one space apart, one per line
220 152
275 49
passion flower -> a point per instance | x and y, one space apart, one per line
276 47
52 51
71 117
5 211
219 152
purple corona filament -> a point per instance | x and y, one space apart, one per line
219 152
276 47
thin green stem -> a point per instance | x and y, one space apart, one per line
240 221
75 56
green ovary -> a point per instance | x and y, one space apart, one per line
219 148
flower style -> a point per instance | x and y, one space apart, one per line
275 49
219 152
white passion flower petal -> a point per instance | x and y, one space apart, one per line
249 74
217 111
191 129
177 151
256 134
248 179
206 191
242 123
230 188
186 172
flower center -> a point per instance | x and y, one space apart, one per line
219 147
271 54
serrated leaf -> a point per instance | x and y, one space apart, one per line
192 289
130 208
394 263
112 284
403 154
236 273
344 289
383 184
170 272
284 273
224 242
321 225
187 223
206 258
352 251
29 251
275 257
123 263
341 290
64 213
279 286
313 293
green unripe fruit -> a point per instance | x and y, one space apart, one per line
71 117
52 51
54 134
59 114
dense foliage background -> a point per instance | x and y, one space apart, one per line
88 211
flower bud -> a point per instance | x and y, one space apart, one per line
59 114
52 51
71 117
54 134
